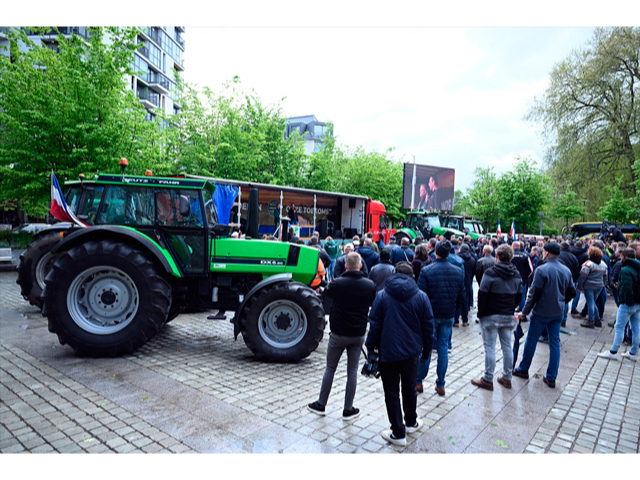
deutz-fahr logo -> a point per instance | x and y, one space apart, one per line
271 262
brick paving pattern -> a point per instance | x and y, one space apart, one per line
193 389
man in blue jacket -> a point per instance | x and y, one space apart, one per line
444 285
401 328
551 289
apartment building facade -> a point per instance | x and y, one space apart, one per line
159 63
310 129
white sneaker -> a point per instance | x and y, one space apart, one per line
630 356
388 436
609 355
416 427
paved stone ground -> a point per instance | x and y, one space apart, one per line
193 389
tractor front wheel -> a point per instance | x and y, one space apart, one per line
284 322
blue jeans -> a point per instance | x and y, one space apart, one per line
489 334
566 311
443 327
574 304
631 315
330 270
590 297
536 325
523 300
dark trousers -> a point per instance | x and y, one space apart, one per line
395 374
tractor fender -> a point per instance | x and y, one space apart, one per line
280 277
124 234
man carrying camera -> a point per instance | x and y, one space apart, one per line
352 294
400 328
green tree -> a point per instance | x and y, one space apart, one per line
524 192
460 203
618 209
70 111
590 114
233 135
567 206
483 197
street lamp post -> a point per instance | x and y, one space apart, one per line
541 216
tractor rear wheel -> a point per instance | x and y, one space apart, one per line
105 298
35 263
284 322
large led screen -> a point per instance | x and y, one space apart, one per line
433 188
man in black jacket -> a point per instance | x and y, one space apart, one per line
522 261
498 297
401 328
570 261
582 256
469 271
352 295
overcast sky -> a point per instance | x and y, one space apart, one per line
405 75
453 97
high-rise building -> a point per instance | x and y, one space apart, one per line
310 129
159 62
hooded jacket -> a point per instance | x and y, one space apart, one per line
500 291
400 320
571 262
369 256
628 289
379 274
332 249
469 266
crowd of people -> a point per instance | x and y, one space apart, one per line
413 294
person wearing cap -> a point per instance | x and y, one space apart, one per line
400 328
551 289
443 283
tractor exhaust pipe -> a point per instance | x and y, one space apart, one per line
253 213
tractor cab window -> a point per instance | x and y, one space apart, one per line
89 207
179 208
73 198
434 221
209 208
125 205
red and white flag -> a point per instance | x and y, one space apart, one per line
59 207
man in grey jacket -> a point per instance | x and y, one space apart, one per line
552 287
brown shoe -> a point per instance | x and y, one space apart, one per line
440 391
504 383
482 383
419 388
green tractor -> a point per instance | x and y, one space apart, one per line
157 248
426 224
465 224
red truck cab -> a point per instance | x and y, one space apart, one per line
377 223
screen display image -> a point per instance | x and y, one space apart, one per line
433 190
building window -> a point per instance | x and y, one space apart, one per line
319 130
317 146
